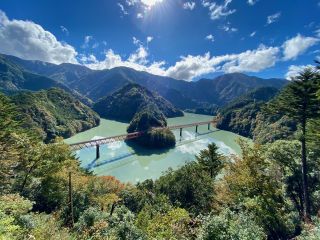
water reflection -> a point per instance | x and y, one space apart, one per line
131 163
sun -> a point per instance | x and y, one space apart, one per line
150 3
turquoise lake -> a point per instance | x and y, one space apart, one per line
136 164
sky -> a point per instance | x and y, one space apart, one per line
186 40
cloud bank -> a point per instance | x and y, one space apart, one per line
28 40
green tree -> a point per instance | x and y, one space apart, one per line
250 184
211 160
230 225
189 187
299 101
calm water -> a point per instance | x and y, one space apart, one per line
133 165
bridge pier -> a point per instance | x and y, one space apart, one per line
208 126
97 151
180 132
196 128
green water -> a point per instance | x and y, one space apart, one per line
133 165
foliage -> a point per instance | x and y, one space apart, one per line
189 187
311 231
12 207
251 185
211 160
230 225
300 102
169 225
54 112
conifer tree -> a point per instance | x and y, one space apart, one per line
299 101
211 160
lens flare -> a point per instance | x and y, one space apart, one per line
150 3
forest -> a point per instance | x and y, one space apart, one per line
271 191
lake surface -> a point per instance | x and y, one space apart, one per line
134 164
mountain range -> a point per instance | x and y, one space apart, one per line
16 74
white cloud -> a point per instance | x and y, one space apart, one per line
256 60
217 11
189 5
252 60
191 66
131 2
273 18
136 41
65 30
123 10
253 34
317 32
112 60
296 46
210 37
95 45
140 56
86 41
252 2
149 39
28 40
228 28
294 70
139 15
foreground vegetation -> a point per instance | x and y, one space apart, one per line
262 194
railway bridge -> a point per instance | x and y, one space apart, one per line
97 142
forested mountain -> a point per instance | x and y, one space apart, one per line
246 116
54 112
95 84
15 78
65 72
131 99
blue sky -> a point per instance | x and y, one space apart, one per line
186 40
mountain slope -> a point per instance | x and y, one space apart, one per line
14 78
132 98
65 72
54 112
245 117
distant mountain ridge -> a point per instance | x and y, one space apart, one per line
95 84
15 78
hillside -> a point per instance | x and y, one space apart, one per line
132 98
147 120
245 116
96 84
14 78
54 112
64 72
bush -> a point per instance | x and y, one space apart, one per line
230 225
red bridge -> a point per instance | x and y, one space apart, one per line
97 142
